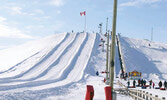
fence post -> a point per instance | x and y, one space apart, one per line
146 95
151 96
163 98
143 94
140 93
131 93
156 97
135 95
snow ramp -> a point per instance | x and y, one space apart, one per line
53 67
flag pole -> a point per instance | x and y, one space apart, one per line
85 23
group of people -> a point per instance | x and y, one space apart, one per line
160 84
142 82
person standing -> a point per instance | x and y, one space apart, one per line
160 84
150 83
142 82
165 84
139 82
153 84
128 83
97 73
134 83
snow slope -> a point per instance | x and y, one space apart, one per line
59 61
12 56
146 57
59 67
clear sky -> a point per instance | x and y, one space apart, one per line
23 20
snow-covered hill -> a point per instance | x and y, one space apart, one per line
49 66
145 56
60 66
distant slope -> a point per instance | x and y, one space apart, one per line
146 57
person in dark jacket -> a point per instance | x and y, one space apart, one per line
97 73
160 84
165 84
142 83
128 83
134 83
126 75
150 83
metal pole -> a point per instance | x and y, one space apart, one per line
107 24
85 22
107 55
113 45
107 71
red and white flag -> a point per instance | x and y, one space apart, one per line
83 13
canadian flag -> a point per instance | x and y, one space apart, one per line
83 13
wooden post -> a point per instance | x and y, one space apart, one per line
163 98
143 94
156 97
147 96
136 95
140 93
150 97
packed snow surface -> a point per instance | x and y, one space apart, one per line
60 66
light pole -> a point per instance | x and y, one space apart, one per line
107 54
112 52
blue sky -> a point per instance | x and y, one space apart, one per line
24 20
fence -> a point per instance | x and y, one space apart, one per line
138 94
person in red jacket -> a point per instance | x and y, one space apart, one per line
153 84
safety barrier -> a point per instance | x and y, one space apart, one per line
108 93
89 93
139 94
142 95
